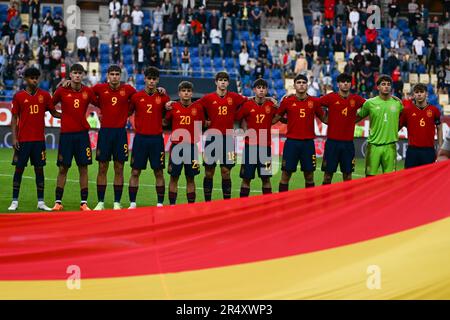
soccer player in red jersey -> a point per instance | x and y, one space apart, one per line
300 110
220 107
258 114
341 117
114 102
74 138
187 119
148 106
422 120
27 129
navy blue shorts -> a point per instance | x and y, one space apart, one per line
148 148
219 149
339 153
112 142
416 156
256 158
74 144
299 150
32 150
184 155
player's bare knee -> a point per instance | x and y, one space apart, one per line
285 177
209 172
245 183
102 168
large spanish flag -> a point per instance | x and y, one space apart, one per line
386 237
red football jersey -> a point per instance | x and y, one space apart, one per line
148 112
114 103
31 112
421 123
74 105
300 116
187 118
259 118
222 111
341 115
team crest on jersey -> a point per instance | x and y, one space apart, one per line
85 95
352 103
194 111
122 93
393 108
158 99
41 99
268 109
310 104
429 113
230 101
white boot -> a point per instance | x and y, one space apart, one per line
14 205
41 206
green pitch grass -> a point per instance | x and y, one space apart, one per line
146 194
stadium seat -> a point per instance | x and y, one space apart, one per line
434 79
229 63
44 85
413 78
406 89
248 92
424 78
339 57
281 93
57 10
130 69
9 84
104 48
128 59
127 49
443 99
140 86
276 74
46 9
207 63
140 79
104 59
218 63
279 84
9 94
446 110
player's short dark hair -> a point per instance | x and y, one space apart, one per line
77 67
420 87
259 83
382 78
151 72
300 76
222 75
114 68
32 72
344 77
185 85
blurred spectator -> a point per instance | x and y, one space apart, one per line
315 9
15 22
56 79
259 69
114 23
131 81
298 42
115 46
35 9
139 57
432 58
291 31
256 16
329 9
167 9
137 15
327 71
309 51
114 7
322 50
82 44
185 61
394 36
203 46
263 50
276 54
94 43
35 32
271 11
158 15
125 30
243 61
282 12
354 20
166 56
418 46
190 3
153 56
301 65
228 42
394 11
316 33
328 32
341 11
244 16
93 78
215 36
182 32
